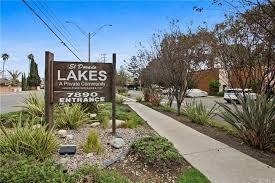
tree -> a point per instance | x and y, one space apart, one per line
137 64
33 79
247 52
121 77
24 82
175 56
14 77
4 57
30 58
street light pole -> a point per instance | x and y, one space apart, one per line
90 35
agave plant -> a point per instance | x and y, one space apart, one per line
27 139
34 105
70 116
198 112
254 120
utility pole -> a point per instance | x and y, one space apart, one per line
89 54
104 57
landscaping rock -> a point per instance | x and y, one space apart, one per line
36 126
70 137
89 155
64 161
96 124
62 133
117 143
119 123
92 116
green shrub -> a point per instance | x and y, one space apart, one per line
157 151
93 143
214 86
90 107
122 90
93 174
139 98
198 112
134 120
10 119
34 105
70 116
104 118
146 93
37 142
119 100
17 168
254 121
155 98
167 108
192 176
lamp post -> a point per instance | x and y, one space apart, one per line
89 35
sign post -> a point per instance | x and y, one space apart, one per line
114 96
49 57
78 82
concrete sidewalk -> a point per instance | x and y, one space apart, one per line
219 162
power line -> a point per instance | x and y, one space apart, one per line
55 26
57 21
51 30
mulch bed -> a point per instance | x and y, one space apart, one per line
235 142
138 171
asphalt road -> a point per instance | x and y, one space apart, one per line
10 102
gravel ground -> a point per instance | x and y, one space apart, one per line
73 162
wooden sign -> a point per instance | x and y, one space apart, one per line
78 82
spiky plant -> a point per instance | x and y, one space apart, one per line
198 112
254 120
70 116
34 105
27 139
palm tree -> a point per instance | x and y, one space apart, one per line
4 57
14 77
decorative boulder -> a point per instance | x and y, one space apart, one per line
119 123
36 126
70 137
62 133
96 124
117 143
92 116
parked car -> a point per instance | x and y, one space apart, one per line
196 93
234 94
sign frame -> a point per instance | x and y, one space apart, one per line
50 85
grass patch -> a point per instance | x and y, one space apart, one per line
10 119
123 112
94 174
192 176
17 168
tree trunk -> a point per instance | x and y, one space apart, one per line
3 70
170 100
178 107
